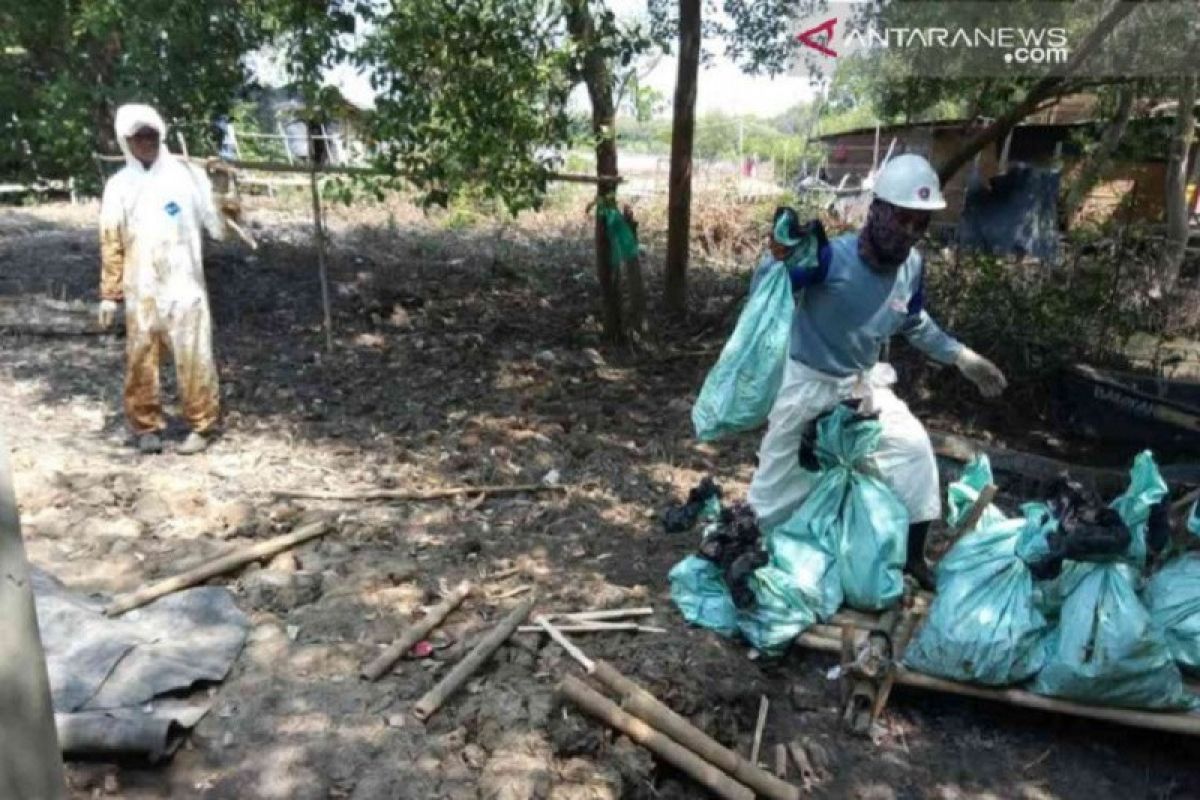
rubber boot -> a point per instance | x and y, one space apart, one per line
916 565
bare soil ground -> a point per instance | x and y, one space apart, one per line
465 354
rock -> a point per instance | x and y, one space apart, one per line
235 518
279 591
284 562
400 319
545 358
875 791
474 756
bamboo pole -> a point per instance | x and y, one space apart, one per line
436 494
415 633
1187 723
609 713
648 708
489 644
968 522
218 566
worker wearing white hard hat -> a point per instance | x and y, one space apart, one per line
865 288
151 216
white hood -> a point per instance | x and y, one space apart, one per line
131 117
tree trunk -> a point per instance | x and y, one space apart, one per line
1055 84
683 131
1098 159
598 79
1177 180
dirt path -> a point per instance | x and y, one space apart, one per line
462 358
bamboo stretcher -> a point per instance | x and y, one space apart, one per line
827 639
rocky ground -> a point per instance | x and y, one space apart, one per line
465 353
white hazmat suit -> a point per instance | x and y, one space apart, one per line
150 226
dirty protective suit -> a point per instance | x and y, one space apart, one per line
150 223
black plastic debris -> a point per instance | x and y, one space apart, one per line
680 518
735 545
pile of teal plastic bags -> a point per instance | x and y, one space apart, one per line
984 625
740 388
1106 649
846 543
852 515
1173 597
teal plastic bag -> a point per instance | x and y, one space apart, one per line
984 625
810 564
781 612
1106 649
699 592
1173 598
854 516
740 388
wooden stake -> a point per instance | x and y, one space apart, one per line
415 633
436 494
763 705
319 231
648 708
566 644
218 566
697 768
490 643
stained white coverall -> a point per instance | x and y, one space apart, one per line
150 225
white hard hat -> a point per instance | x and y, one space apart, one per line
908 181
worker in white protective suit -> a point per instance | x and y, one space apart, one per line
150 222
864 288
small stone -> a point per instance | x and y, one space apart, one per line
111 784
552 478
395 720
293 631
227 739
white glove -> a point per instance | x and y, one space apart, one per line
986 376
108 313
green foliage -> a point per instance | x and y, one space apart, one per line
470 93
67 66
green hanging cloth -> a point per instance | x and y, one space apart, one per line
622 241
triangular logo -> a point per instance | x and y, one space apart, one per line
809 37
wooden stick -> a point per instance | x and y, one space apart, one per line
608 613
319 231
218 566
513 592
464 669
697 768
588 627
1173 722
566 644
763 705
648 708
968 523
436 494
1180 505
241 233
415 633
